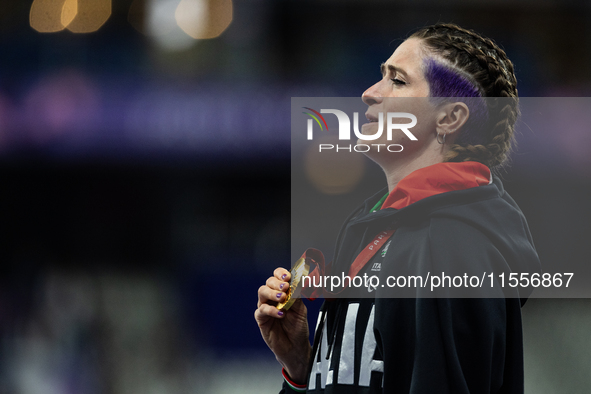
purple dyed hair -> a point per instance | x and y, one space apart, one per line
444 81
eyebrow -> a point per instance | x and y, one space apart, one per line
390 68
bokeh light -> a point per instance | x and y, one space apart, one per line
162 27
90 16
203 19
69 12
174 25
333 172
78 16
48 16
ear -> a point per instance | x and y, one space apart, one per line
451 118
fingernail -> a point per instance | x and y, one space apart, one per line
280 313
284 276
279 295
281 285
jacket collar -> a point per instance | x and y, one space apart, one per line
436 179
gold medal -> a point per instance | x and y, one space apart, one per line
299 270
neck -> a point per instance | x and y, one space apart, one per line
396 171
397 166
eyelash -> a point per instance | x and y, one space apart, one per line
397 81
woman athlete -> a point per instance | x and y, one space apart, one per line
443 210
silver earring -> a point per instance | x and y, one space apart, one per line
441 140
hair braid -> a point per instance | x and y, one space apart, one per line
491 71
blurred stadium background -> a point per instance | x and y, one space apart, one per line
145 177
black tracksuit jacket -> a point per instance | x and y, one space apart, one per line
425 345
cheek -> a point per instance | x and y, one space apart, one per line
425 114
420 107
422 89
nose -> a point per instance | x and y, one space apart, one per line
372 95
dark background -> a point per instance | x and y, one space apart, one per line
145 191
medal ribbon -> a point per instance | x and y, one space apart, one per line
315 258
369 251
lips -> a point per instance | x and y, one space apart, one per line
371 118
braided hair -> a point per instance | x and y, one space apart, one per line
479 61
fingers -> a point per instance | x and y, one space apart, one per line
282 274
275 289
270 295
277 284
264 311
